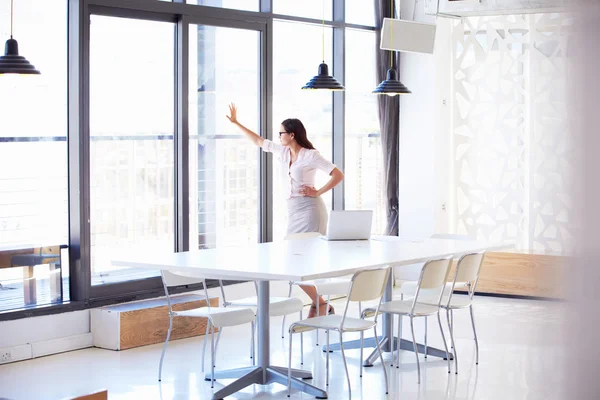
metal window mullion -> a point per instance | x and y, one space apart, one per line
266 130
79 151
338 129
266 6
181 145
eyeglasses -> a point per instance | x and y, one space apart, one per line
283 133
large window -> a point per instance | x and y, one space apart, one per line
364 182
33 158
361 12
132 71
223 163
130 101
306 8
248 5
296 56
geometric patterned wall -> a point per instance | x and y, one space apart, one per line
512 153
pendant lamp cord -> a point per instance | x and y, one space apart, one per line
392 34
323 32
11 18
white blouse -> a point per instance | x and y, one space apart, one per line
302 171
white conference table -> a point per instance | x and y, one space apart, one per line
301 260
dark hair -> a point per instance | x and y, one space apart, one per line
295 126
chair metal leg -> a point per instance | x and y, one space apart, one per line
398 341
444 340
475 334
452 340
283 321
301 343
290 367
162 356
252 355
451 324
387 389
219 339
317 305
362 344
212 356
205 340
327 362
345 364
412 330
425 337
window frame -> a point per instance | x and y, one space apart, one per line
83 294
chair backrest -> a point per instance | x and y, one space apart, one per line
301 235
367 285
467 271
179 278
433 279
468 267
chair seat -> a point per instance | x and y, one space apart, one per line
278 306
220 316
457 302
403 307
329 286
332 322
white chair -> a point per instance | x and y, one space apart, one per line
217 317
366 285
467 270
409 287
278 306
433 278
324 287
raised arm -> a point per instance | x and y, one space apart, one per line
254 138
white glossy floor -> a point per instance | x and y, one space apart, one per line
520 358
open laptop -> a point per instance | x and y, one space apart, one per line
349 225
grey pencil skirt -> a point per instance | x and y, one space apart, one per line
306 214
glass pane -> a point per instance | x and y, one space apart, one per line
307 8
33 159
360 12
131 145
224 165
296 57
364 179
247 5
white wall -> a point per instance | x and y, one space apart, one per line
425 133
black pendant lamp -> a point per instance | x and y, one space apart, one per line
391 85
11 62
323 81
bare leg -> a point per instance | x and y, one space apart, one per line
312 293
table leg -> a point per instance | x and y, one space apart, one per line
264 373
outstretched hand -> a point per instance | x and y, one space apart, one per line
233 113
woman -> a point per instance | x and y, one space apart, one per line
298 157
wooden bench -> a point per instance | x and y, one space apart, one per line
524 273
125 326
27 257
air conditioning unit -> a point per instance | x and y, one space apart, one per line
473 8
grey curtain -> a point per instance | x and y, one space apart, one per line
389 121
